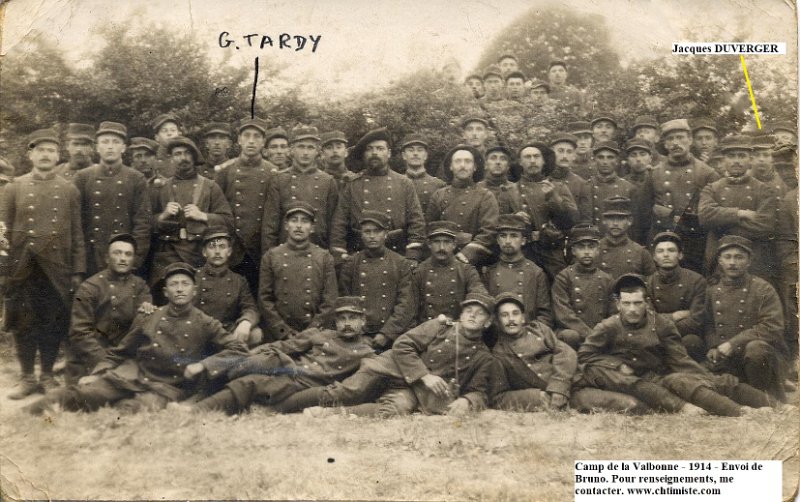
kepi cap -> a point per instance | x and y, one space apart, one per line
377 217
302 132
506 297
675 125
730 241
583 232
163 119
511 222
122 237
300 206
218 128
184 141
112 128
255 122
485 301
606 145
353 304
617 205
80 131
138 142
735 143
42 136
178 268
628 280
331 136
413 139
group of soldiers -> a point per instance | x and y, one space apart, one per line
570 272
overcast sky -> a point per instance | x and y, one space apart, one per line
367 43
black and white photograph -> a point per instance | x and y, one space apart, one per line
506 250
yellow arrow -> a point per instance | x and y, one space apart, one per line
750 89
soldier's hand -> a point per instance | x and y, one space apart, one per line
557 401
146 308
625 369
193 370
462 258
435 384
172 209
725 349
380 341
714 356
242 331
193 212
546 186
88 379
458 408
746 214
679 315
704 156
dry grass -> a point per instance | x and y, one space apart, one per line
490 456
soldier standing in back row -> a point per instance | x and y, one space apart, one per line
414 150
80 147
563 146
333 154
497 179
165 127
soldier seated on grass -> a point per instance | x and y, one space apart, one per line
536 370
314 357
159 360
639 352
439 367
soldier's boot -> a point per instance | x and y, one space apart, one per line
716 404
224 400
48 382
306 398
657 397
748 395
27 386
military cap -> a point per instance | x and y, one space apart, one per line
675 125
506 297
473 118
331 136
218 128
628 281
492 69
300 206
112 128
579 127
644 121
583 232
511 222
484 300
413 139
302 132
163 119
715 155
785 126
255 123
730 241
122 237
353 304
471 76
143 143
377 217
442 227
507 55
735 143
641 144
606 145
762 141
516 74
80 131
498 147
698 124
557 62
604 116
476 155
41 136
380 134
275 132
547 153
540 83
7 170
617 205
184 141
668 237
564 137
219 232
178 268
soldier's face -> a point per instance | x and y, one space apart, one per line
463 165
334 153
493 85
372 236
531 160
632 306
415 156
511 318
497 164
539 94
80 151
639 160
167 131
761 160
586 252
616 225
304 152
217 251
442 247
557 75
667 255
251 141
180 290
120 257
704 140
606 162
736 162
475 318
510 242
734 262
349 324
648 133
603 130
217 145
299 227
110 147
182 159
376 154
507 65
784 137
677 144
475 134
515 88
475 86
565 154
584 142
143 160
44 156
278 151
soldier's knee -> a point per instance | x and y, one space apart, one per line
695 347
570 337
758 351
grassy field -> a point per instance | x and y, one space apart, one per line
489 456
